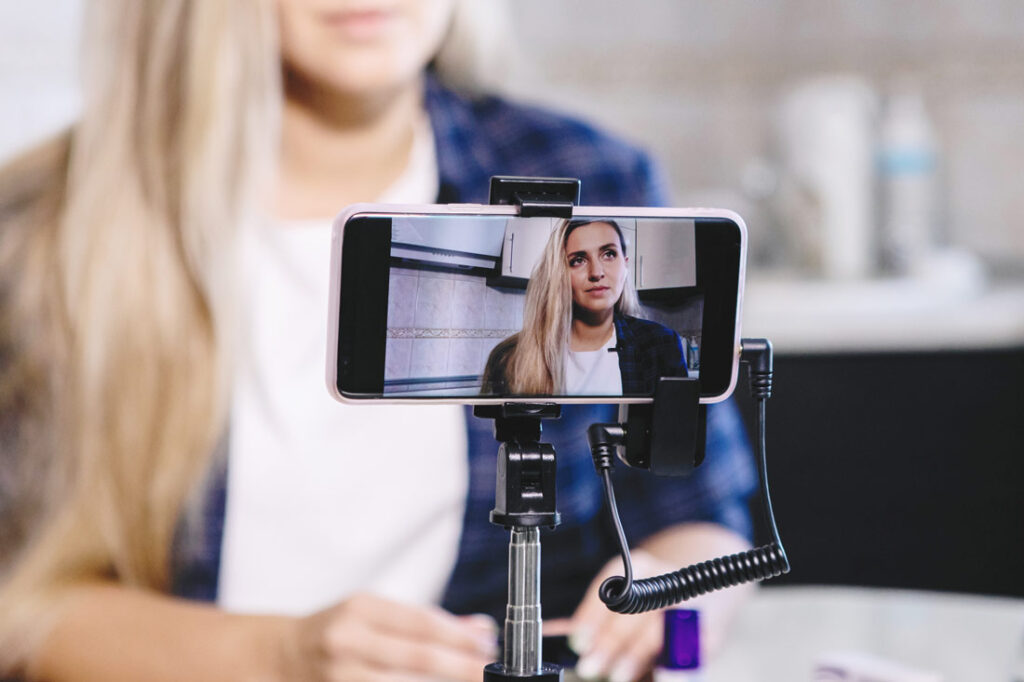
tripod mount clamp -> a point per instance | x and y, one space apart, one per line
524 493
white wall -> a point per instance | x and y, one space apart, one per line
697 82
38 77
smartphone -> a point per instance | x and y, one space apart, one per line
466 303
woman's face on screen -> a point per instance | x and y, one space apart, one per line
597 266
361 46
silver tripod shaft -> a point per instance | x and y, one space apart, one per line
522 616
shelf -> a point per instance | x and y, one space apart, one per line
948 305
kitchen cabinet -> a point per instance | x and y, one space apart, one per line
665 255
521 249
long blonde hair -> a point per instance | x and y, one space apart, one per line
536 361
117 293
117 283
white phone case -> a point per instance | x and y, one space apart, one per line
385 210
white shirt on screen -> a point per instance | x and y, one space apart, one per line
326 499
594 372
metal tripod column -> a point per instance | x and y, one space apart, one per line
522 616
522 652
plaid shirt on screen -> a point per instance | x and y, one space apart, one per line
647 351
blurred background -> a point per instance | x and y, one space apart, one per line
876 151
711 88
858 139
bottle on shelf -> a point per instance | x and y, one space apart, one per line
907 173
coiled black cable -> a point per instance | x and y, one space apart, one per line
624 595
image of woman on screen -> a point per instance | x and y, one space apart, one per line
581 334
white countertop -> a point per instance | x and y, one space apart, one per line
947 305
783 632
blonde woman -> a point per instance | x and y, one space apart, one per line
580 334
179 498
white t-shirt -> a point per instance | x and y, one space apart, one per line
594 372
325 499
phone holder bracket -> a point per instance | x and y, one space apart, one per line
536 197
667 436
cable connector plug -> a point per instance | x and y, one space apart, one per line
603 440
756 354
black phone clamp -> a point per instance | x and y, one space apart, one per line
666 436
550 197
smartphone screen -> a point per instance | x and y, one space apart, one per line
484 308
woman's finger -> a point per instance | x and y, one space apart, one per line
558 627
356 670
610 639
588 616
636 657
427 658
592 613
359 643
430 625
480 621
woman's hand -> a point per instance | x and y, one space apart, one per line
621 647
372 639
624 648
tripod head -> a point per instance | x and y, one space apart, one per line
525 487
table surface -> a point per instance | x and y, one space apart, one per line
783 631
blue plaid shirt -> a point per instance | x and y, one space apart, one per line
647 350
478 138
